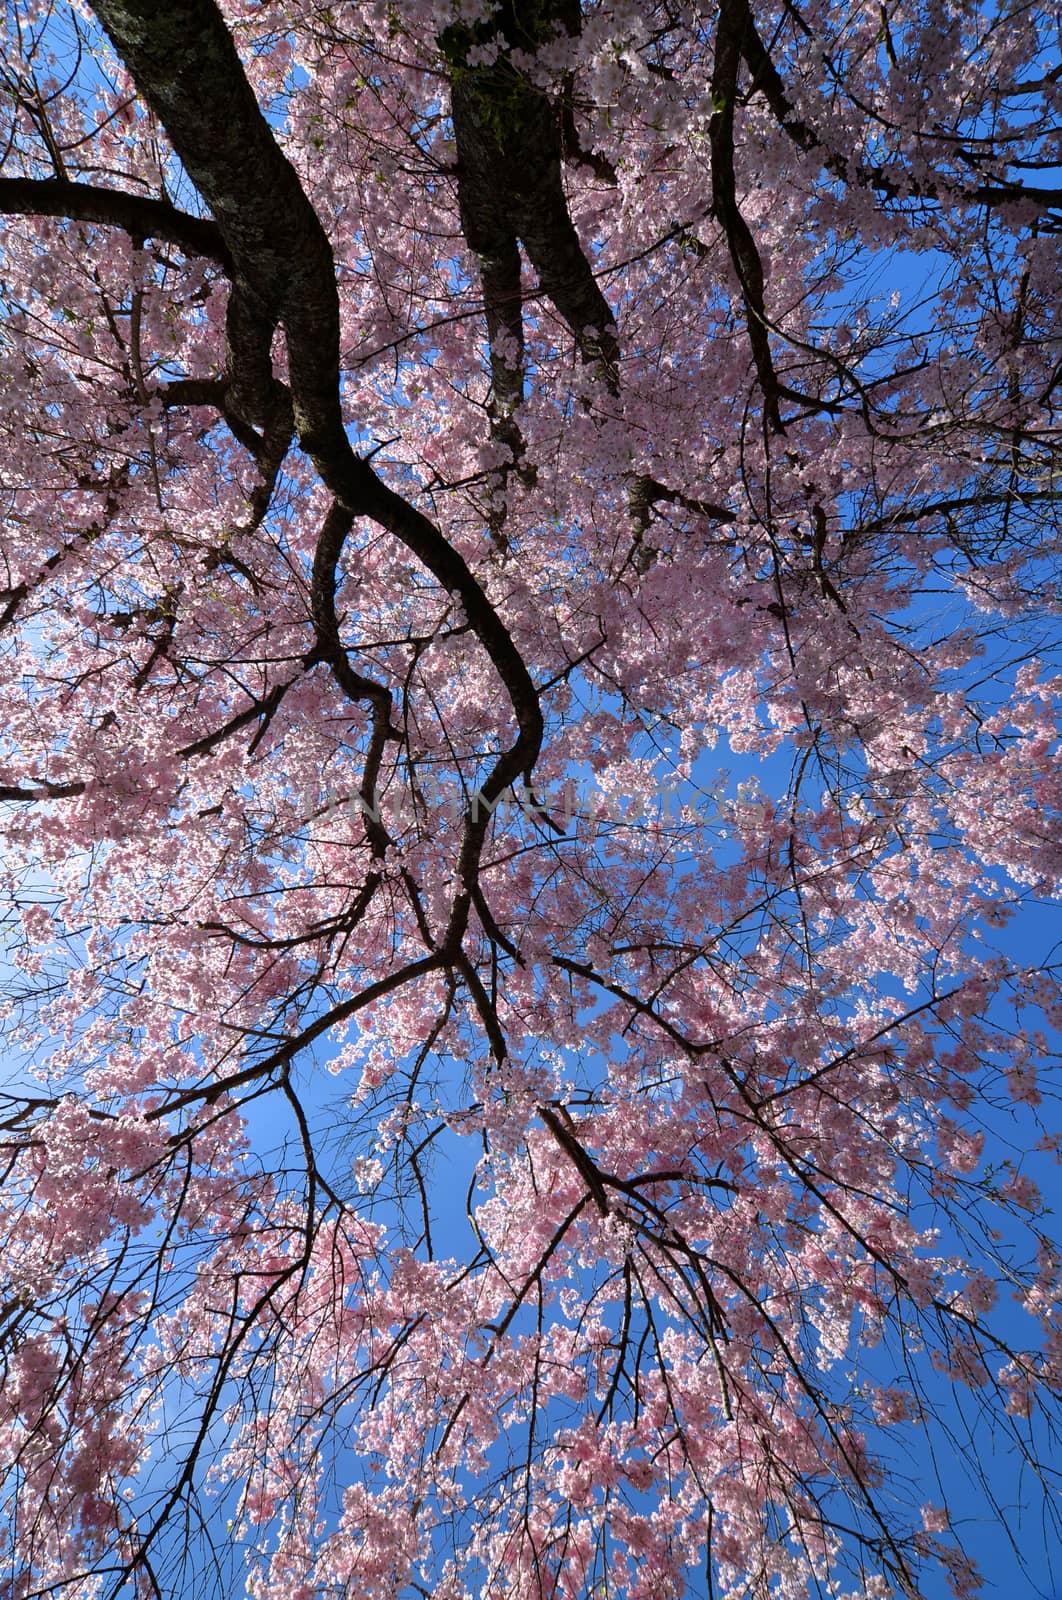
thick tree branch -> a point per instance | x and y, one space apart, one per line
743 252
509 184
138 215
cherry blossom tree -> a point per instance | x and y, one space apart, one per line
529 580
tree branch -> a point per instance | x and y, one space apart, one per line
138 215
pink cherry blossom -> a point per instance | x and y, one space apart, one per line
530 782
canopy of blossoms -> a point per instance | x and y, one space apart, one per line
529 775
